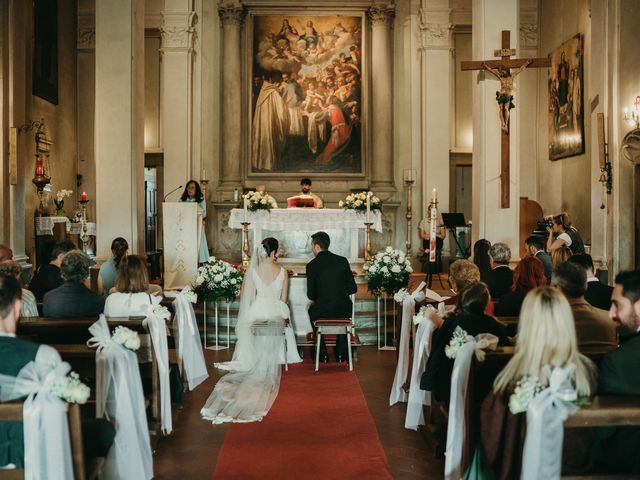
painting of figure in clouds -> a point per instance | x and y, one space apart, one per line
306 92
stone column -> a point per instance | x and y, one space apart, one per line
231 18
491 221
437 64
177 52
119 123
381 98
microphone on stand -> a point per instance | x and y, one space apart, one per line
165 197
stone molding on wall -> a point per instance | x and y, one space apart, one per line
436 29
231 15
529 29
178 31
86 32
381 15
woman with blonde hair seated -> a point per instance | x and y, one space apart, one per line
560 255
132 292
546 336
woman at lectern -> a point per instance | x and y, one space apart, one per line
193 193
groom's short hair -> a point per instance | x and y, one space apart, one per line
321 239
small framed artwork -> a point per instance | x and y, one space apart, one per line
566 105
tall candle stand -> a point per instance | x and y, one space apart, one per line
84 236
245 245
367 241
409 216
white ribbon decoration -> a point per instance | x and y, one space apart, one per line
120 400
418 397
459 385
408 311
188 340
47 448
542 454
158 329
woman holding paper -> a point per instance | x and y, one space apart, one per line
193 193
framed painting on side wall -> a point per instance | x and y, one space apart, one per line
306 90
45 50
566 106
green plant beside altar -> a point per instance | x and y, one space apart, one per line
217 280
259 201
358 202
59 201
388 271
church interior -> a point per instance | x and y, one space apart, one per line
419 134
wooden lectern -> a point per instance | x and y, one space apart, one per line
182 225
301 201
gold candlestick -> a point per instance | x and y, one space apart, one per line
245 245
367 241
409 216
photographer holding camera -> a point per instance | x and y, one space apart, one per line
564 233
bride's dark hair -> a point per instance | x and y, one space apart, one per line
270 244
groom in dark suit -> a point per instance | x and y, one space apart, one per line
329 284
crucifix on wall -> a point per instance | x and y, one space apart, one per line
505 71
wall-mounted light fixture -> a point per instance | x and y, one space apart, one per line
632 115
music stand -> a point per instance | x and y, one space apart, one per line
451 222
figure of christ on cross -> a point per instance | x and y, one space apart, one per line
505 70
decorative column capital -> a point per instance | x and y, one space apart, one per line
381 15
231 15
528 29
178 31
86 32
436 30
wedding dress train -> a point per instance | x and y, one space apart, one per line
248 391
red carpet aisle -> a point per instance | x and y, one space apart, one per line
319 427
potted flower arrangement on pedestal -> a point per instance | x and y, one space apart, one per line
59 201
217 280
259 201
388 271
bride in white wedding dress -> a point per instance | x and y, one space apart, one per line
248 391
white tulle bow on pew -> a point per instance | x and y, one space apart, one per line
418 398
187 336
120 400
398 394
156 322
542 454
47 449
463 353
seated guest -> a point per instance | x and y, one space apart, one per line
6 254
109 269
528 274
468 315
618 449
481 256
131 294
29 306
559 256
500 278
546 336
98 434
48 275
598 294
535 248
593 326
305 189
73 298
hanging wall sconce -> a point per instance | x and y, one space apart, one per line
633 115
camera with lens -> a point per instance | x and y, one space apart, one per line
543 224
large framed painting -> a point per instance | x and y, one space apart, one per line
566 106
45 50
306 88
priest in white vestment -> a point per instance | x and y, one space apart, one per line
270 127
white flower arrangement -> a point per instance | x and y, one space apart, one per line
71 389
401 294
459 338
387 271
422 315
190 294
126 337
259 201
161 311
358 201
526 390
62 193
217 280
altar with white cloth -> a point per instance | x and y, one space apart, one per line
293 228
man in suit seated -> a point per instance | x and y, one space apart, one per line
618 449
593 325
98 434
598 294
329 284
500 278
73 298
48 276
535 248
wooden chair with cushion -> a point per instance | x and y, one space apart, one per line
334 326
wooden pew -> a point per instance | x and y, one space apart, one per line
12 412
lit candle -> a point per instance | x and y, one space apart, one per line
433 196
83 197
368 207
245 210
235 195
39 167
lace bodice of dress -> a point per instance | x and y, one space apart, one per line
271 290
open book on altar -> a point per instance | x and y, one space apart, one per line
301 201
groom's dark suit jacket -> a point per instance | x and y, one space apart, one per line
329 284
